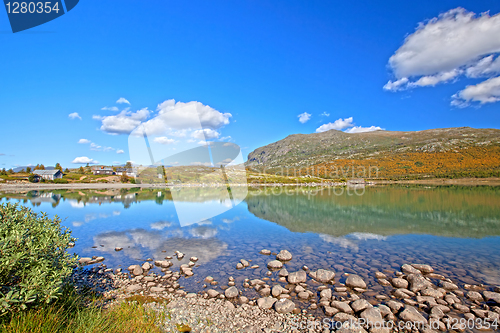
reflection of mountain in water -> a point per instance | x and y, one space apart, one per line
443 211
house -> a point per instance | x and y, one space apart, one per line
102 170
131 172
49 174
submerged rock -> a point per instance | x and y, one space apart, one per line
355 281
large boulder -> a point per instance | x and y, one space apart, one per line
266 302
324 275
355 281
418 282
231 292
297 277
284 255
284 306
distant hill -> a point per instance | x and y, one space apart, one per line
437 152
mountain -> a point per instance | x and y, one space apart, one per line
432 152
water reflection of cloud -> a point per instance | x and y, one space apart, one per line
160 225
139 243
351 241
76 204
116 212
203 232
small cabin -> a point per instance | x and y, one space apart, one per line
49 174
103 171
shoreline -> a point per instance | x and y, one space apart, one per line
280 300
100 186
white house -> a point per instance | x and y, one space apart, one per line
49 174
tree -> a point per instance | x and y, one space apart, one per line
128 165
66 170
10 171
22 171
81 170
58 167
28 169
124 178
42 167
3 172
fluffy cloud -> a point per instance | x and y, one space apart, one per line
124 122
111 108
120 151
442 49
74 115
84 141
485 92
206 133
122 100
325 114
304 117
338 124
84 160
164 140
359 129
182 116
172 119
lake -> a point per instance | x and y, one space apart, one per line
456 230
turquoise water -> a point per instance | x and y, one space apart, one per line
454 229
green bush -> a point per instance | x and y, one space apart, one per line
34 262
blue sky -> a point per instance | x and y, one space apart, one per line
264 63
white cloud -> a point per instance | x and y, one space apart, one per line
447 42
122 100
120 151
304 117
484 67
432 80
485 92
182 116
96 147
396 85
446 47
206 133
164 140
110 108
325 114
84 141
359 129
338 124
124 122
84 160
74 115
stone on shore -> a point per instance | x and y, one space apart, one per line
490 296
266 302
324 276
231 292
297 277
360 305
84 260
134 287
212 293
284 306
410 314
408 269
474 296
418 282
426 269
265 252
118 249
284 255
275 265
355 281
283 272
399 283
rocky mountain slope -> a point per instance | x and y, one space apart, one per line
301 151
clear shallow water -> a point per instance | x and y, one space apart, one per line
454 229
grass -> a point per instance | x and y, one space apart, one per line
83 313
